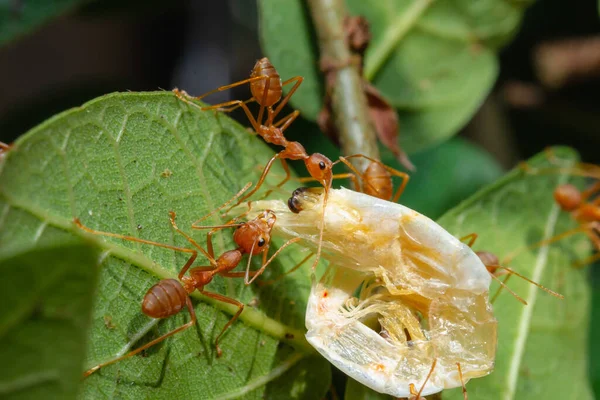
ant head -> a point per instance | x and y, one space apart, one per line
254 236
319 167
568 197
304 198
488 259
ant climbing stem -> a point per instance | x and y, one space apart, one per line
492 264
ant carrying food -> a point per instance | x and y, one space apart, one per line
266 88
168 297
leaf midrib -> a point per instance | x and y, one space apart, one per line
252 317
524 325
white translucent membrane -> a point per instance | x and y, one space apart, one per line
422 294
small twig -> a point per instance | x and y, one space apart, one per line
349 103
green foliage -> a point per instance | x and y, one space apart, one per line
45 310
120 163
445 175
434 60
542 347
20 17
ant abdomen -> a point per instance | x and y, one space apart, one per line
263 67
378 181
568 197
164 299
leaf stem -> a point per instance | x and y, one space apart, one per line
349 102
399 27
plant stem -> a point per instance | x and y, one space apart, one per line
349 102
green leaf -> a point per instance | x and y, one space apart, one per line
120 163
20 17
445 175
358 391
45 312
434 60
542 347
594 354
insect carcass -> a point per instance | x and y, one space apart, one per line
399 293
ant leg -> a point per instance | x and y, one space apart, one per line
287 120
288 176
228 300
514 254
263 177
192 322
235 107
346 175
206 254
238 194
417 395
238 103
266 263
4 146
356 173
462 382
284 101
586 261
187 265
179 93
472 238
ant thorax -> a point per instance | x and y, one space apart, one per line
423 293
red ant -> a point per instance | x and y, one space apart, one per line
492 264
577 202
168 296
266 88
